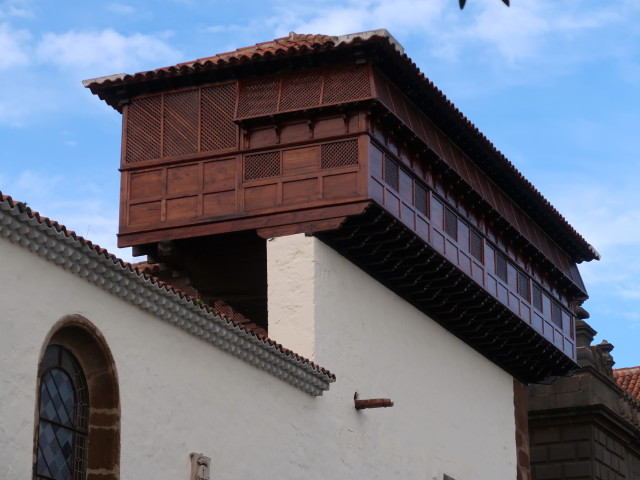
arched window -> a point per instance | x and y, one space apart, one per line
77 436
64 417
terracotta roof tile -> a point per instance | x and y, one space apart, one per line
293 44
285 45
629 380
23 208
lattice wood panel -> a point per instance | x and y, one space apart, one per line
143 129
262 165
421 199
390 174
451 223
537 297
476 245
523 286
382 90
301 90
218 131
346 83
501 267
180 130
339 154
556 314
258 96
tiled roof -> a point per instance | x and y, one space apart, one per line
300 44
293 44
628 379
53 241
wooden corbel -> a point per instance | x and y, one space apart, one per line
371 403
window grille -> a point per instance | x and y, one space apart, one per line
339 154
143 129
537 297
262 165
391 173
476 246
523 286
421 199
217 108
301 89
258 96
180 128
501 267
346 83
556 314
451 223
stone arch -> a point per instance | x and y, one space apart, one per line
89 347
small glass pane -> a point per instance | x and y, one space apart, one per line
55 451
57 397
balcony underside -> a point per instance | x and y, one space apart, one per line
394 255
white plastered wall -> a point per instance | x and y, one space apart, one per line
453 409
453 412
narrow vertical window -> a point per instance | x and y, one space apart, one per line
501 267
421 199
391 173
451 223
523 286
556 314
476 246
537 297
63 418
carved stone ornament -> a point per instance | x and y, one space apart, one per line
200 467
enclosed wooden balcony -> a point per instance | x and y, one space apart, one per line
331 145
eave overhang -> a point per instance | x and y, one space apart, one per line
394 255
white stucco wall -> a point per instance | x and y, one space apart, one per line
453 410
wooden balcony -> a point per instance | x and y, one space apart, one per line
338 151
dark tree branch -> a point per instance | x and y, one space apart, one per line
464 2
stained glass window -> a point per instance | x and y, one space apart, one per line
63 425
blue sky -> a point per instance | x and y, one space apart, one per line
555 84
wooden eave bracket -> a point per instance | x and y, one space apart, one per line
371 403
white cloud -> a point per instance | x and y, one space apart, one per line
75 55
105 52
81 207
606 212
121 9
15 9
542 31
337 18
13 47
35 185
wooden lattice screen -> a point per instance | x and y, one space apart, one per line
181 123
